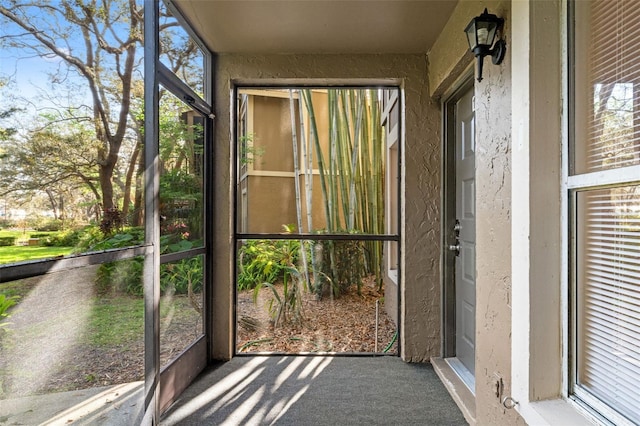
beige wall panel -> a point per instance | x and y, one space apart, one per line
447 59
391 298
271 204
272 136
321 111
318 216
420 338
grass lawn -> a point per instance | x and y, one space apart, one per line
21 253
117 321
11 254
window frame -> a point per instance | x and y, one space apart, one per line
540 70
574 183
392 105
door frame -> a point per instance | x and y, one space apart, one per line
448 215
164 383
236 236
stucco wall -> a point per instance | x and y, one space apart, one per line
271 204
420 305
447 61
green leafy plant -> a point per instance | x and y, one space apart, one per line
249 152
285 307
126 237
88 238
265 261
181 277
121 277
5 304
278 261
39 234
181 203
66 238
184 277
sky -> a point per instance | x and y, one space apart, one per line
30 74
26 74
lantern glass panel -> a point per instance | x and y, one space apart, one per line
471 34
486 32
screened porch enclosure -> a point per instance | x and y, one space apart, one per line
316 201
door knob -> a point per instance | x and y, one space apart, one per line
455 248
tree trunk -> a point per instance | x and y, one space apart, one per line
128 182
52 201
106 185
138 210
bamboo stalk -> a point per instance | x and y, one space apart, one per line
307 162
296 181
353 178
354 167
316 139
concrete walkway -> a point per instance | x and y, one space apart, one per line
119 405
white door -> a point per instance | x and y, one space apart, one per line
465 228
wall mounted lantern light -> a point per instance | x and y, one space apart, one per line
481 33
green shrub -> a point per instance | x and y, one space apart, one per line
47 225
126 276
88 237
7 241
67 238
178 276
262 263
285 307
121 277
265 261
116 277
128 237
39 234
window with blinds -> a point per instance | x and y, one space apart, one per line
608 326
604 187
610 88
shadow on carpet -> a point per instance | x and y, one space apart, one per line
316 390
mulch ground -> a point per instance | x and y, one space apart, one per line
346 324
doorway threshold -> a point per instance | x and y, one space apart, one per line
463 372
458 390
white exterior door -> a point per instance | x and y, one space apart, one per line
465 268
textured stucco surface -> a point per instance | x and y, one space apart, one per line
447 60
450 54
420 304
493 230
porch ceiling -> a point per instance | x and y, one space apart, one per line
314 26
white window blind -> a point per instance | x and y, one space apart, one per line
611 138
606 219
608 331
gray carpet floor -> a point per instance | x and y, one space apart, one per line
316 390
